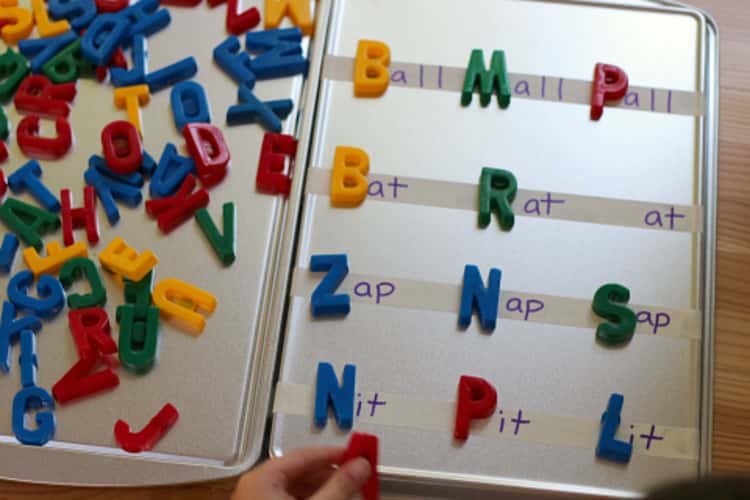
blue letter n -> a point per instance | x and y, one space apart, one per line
328 392
474 294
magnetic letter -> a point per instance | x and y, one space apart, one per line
328 393
323 301
477 399
348 179
474 295
371 76
610 83
497 190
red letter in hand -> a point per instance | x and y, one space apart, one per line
271 178
476 399
610 84
209 150
75 218
366 446
150 435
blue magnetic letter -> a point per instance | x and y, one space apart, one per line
103 37
10 330
328 392
51 294
170 172
189 104
234 63
137 74
279 53
110 189
27 359
27 178
34 398
8 252
324 302
269 113
608 447
473 294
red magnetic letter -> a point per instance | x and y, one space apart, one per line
209 150
111 5
3 157
174 210
240 22
44 148
121 143
79 382
476 399
610 84
366 446
91 332
75 218
3 185
38 95
271 178
150 435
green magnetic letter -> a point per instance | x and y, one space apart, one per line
497 190
493 80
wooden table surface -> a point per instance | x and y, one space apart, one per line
732 381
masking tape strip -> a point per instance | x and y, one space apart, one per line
539 204
516 306
523 86
402 410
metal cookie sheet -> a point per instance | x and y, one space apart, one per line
219 381
408 348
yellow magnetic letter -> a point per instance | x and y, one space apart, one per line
298 10
348 181
371 75
44 26
179 301
131 98
17 24
56 257
121 259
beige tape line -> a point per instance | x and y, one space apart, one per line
516 306
403 410
542 88
539 204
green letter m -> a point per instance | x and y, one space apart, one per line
494 80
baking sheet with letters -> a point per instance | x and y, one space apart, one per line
417 354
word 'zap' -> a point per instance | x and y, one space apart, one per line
607 446
323 301
609 303
610 84
146 439
365 446
180 301
371 75
349 177
328 393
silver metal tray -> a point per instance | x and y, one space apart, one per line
220 381
407 347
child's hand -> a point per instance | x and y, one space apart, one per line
304 473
